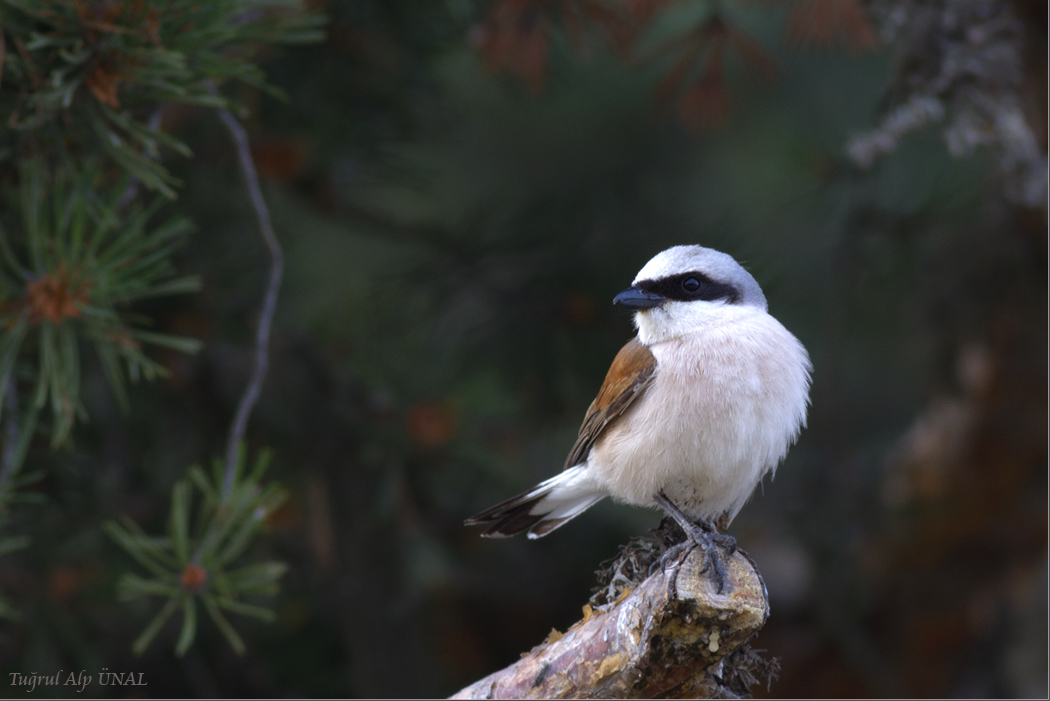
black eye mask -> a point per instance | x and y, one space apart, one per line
690 286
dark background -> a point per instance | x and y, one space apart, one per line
454 236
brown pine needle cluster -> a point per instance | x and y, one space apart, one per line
820 23
193 577
55 298
703 102
515 38
103 82
102 19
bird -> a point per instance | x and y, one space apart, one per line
694 411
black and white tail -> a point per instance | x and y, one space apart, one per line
543 508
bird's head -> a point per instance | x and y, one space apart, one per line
685 288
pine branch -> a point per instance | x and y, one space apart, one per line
671 637
262 336
195 562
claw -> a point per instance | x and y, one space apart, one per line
678 551
714 560
717 547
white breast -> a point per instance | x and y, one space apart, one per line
725 405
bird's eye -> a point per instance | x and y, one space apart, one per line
691 285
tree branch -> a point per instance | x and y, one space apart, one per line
669 637
262 336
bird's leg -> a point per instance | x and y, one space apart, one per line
704 536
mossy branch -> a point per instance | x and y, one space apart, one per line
672 636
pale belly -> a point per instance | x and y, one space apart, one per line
708 431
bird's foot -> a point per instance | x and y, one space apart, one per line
716 547
675 555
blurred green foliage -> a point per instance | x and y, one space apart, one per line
91 73
86 86
76 261
191 564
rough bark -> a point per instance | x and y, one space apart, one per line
667 638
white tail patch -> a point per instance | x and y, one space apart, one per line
566 496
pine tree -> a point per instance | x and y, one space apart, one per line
86 233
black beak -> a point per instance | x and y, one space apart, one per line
637 298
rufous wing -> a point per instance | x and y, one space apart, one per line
568 494
631 371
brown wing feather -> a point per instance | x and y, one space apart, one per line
629 375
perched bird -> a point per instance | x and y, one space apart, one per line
693 413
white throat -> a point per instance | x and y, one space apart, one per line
674 320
